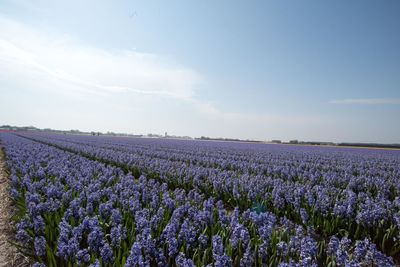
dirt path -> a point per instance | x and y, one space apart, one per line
9 255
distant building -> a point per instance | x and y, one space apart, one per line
276 141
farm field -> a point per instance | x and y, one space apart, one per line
115 201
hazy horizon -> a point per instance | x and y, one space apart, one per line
323 71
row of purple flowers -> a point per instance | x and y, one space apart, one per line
75 211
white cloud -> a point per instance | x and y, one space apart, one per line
368 101
66 63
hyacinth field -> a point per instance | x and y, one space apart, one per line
116 201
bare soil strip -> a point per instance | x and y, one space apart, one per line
9 255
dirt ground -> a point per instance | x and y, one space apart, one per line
9 255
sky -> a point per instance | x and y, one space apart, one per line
306 70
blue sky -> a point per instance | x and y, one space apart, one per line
309 70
